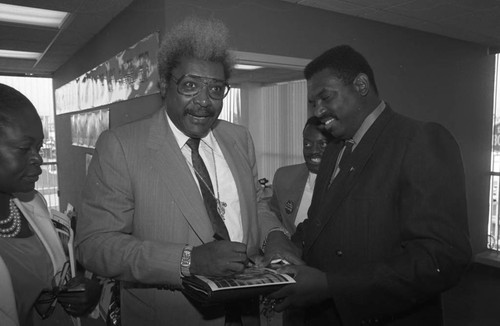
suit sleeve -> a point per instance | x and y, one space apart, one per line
104 241
433 249
274 204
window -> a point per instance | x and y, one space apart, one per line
231 107
39 91
493 227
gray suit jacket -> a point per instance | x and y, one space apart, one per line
288 187
141 205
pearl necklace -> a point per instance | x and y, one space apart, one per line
14 218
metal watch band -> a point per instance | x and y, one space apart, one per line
186 260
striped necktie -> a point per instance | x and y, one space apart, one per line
207 190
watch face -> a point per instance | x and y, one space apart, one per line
186 259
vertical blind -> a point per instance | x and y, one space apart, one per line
231 109
275 115
284 113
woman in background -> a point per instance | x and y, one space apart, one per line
32 258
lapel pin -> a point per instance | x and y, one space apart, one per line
289 206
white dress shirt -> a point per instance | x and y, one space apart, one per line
220 174
305 201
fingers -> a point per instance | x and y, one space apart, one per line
258 260
281 304
73 309
238 247
282 293
219 258
288 269
233 268
279 300
294 260
238 255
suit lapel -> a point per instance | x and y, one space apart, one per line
295 190
327 201
37 214
168 160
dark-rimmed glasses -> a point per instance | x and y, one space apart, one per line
191 85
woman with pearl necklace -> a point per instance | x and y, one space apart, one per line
33 281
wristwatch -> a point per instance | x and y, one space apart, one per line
186 260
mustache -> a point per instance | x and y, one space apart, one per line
203 112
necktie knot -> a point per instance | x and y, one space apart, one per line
349 143
193 143
344 163
344 160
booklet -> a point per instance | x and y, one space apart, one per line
62 224
252 282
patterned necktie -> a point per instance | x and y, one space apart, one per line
207 190
344 163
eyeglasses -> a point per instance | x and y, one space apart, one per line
46 301
191 85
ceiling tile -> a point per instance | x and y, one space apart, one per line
339 6
477 4
481 26
469 20
393 18
25 38
379 4
429 10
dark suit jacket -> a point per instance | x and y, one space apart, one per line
395 235
141 205
288 187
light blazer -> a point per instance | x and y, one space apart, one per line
8 311
288 187
34 209
395 235
141 205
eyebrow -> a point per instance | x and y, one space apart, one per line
24 139
203 77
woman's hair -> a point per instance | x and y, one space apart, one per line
204 39
12 102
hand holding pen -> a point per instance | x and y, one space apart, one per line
219 258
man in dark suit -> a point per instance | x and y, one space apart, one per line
387 230
293 184
161 190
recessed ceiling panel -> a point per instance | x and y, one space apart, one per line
25 38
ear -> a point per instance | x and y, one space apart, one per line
362 84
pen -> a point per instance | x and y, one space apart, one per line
250 262
218 237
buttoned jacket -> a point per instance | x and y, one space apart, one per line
141 206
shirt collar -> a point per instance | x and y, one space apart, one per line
181 138
367 123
